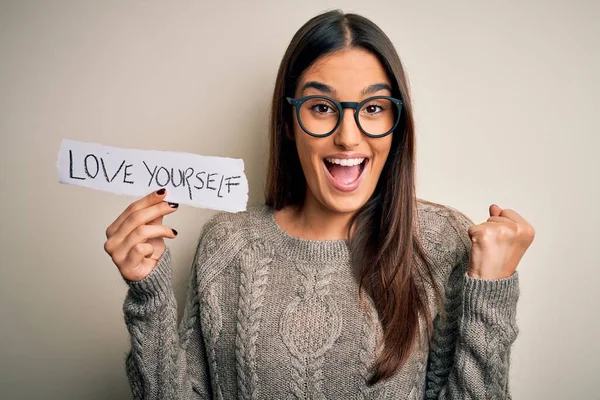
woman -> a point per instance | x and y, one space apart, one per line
343 285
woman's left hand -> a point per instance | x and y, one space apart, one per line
498 244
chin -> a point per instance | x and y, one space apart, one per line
344 204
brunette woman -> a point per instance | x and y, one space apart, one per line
344 285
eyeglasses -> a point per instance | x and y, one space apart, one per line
320 116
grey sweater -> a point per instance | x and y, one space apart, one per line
271 316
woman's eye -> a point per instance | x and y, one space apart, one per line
322 108
373 109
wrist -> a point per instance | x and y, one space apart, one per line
475 274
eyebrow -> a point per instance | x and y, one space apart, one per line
374 88
319 86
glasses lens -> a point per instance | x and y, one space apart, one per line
319 116
378 116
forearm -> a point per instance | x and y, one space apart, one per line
157 365
485 330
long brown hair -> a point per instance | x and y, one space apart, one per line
384 244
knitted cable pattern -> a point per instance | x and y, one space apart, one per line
171 357
496 380
212 321
134 362
417 390
204 296
254 274
419 360
218 250
309 326
446 334
369 351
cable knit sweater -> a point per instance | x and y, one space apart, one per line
271 316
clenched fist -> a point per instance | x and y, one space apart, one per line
499 244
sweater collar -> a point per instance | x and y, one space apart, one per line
295 248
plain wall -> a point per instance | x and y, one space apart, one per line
506 102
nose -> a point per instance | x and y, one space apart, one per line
348 135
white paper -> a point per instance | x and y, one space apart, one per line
218 183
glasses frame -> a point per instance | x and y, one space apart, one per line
356 106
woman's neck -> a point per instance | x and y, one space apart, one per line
313 221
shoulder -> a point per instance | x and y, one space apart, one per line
443 233
224 238
225 231
226 222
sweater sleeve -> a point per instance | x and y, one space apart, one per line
165 362
470 354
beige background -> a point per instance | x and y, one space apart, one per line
506 100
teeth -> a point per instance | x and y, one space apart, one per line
345 162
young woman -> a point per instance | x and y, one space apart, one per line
344 285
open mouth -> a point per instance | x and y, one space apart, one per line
345 172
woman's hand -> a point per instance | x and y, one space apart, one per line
135 239
498 244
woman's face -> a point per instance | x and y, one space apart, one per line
345 75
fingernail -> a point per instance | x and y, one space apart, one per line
160 192
174 231
173 205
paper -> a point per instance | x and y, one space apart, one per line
218 183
